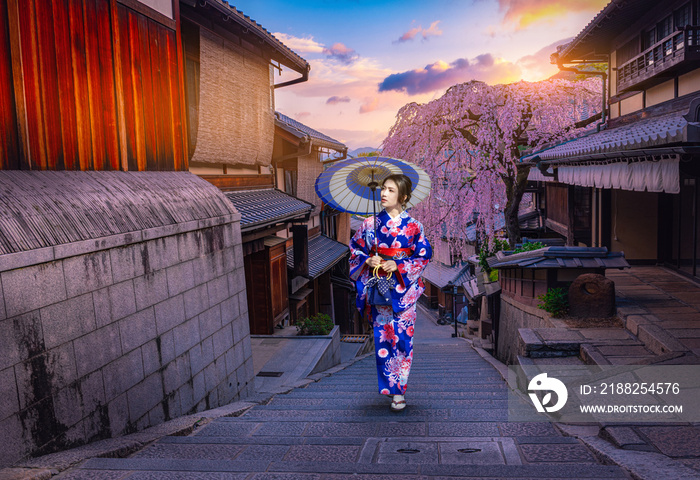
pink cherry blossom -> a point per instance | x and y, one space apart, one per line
469 142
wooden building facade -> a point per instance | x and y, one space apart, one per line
633 185
91 85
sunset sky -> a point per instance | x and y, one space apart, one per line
369 58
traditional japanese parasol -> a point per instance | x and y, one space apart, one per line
352 185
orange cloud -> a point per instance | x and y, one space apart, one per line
523 13
441 75
369 105
537 66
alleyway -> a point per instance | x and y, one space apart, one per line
341 426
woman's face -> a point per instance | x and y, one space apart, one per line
390 195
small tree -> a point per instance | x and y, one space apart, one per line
470 141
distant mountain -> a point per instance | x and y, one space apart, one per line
357 151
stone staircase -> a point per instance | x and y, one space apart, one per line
455 426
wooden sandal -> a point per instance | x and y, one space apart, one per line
398 406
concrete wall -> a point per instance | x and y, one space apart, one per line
105 337
515 315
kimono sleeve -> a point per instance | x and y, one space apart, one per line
412 267
359 252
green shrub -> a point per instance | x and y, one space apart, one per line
319 324
526 247
555 301
493 275
487 252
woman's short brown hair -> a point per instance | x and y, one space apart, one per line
404 184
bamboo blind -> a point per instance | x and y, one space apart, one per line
236 117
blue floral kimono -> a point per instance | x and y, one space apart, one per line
393 325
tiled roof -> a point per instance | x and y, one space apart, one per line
610 22
40 209
300 130
259 208
475 287
232 13
442 275
324 252
650 133
561 257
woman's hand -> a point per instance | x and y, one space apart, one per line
374 261
389 266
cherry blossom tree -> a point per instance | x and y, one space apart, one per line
470 141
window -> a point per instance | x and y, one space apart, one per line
290 182
681 17
648 38
664 27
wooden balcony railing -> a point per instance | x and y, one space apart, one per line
673 51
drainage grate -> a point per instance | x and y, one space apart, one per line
469 450
408 450
269 374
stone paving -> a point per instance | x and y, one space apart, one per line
660 306
339 427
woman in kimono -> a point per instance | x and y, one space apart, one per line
402 250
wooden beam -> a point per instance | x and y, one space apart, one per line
239 182
147 11
249 237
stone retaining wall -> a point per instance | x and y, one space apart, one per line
109 336
515 315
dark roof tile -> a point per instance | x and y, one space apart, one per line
260 208
560 257
653 132
300 130
442 275
324 252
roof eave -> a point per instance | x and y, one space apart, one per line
588 30
642 152
287 57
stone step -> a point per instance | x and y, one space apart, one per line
370 395
372 429
255 430
381 403
384 414
405 470
365 386
417 402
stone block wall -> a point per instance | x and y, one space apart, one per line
105 337
515 315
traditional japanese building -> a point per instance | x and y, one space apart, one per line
122 273
632 184
318 274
